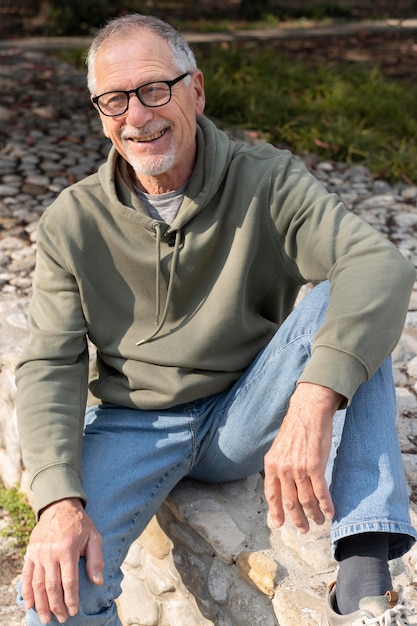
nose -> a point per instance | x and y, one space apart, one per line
138 114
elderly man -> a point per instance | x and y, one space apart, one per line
181 260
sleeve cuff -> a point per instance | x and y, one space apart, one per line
337 370
55 483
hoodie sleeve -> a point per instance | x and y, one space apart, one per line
52 376
370 281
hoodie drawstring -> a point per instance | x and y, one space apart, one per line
157 229
160 322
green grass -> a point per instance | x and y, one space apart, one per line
346 112
21 515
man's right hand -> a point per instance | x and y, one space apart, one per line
50 581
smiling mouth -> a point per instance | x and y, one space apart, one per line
149 137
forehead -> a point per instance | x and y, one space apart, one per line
139 57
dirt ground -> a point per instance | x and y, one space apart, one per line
394 51
10 567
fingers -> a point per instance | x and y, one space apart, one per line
284 499
295 464
38 592
308 498
50 589
50 576
69 589
324 499
272 488
298 496
94 559
27 591
49 594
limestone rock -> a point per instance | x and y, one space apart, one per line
155 541
259 569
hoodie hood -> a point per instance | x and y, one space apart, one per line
215 152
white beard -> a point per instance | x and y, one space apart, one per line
152 164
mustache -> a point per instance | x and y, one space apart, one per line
131 132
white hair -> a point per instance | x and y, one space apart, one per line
126 26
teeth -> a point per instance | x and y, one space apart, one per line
149 138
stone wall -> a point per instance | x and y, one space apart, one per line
216 542
210 557
13 335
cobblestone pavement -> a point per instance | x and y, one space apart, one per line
51 137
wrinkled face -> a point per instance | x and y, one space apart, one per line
157 142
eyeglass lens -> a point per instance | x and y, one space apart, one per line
152 95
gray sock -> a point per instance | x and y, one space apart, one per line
363 570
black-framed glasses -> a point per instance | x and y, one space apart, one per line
156 94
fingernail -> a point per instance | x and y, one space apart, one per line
98 578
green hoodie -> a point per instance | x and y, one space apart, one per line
253 227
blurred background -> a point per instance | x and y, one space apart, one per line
80 17
337 78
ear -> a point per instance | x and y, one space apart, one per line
200 97
102 119
105 131
104 122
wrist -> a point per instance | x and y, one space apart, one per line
64 503
327 398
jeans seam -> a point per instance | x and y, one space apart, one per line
267 363
130 533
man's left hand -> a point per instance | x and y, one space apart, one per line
296 462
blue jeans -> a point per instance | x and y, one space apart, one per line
132 459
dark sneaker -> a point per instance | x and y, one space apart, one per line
373 611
